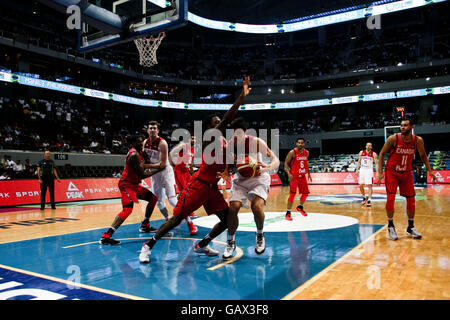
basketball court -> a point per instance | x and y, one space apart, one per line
339 251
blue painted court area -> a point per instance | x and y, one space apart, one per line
175 272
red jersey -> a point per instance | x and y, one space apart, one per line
299 163
184 160
402 154
208 171
128 173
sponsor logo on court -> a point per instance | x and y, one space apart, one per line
24 286
276 222
28 223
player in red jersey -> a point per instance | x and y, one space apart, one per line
296 167
130 189
183 167
202 189
364 171
401 148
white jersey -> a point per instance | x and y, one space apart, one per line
152 150
163 182
242 188
366 160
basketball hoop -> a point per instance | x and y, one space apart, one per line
147 48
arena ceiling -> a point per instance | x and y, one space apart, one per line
259 11
266 11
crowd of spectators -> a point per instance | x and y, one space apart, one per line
86 125
59 125
15 169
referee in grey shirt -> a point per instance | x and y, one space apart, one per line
47 173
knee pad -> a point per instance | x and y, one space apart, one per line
411 203
291 197
390 202
303 197
125 212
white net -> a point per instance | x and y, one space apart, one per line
147 48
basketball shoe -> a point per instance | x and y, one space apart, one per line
146 228
288 216
206 250
192 228
300 209
364 200
260 243
144 256
107 240
413 233
392 233
228 253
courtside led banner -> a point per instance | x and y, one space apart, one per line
97 94
20 192
335 178
443 176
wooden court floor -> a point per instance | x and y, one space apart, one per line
376 269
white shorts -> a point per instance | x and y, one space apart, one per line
365 177
163 184
243 189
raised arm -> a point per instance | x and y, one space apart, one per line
231 113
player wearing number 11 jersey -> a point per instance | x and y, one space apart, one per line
401 148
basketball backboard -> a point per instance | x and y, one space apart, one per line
390 130
140 18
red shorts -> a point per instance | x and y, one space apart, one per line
131 192
300 183
403 180
182 178
199 194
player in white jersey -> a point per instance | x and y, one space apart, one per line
364 168
163 183
255 188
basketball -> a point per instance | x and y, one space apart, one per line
247 167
